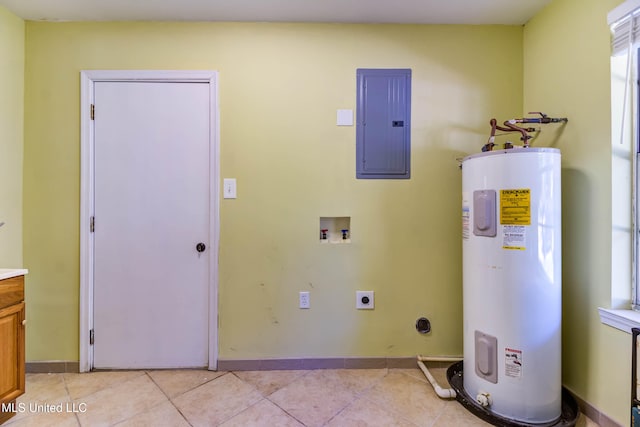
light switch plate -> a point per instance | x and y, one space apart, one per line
229 191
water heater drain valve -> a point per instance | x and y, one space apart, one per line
484 399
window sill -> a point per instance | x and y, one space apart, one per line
620 319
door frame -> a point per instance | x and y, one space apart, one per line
87 96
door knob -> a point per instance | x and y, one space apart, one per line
200 247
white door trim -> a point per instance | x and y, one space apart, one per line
87 78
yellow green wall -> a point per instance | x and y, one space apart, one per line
567 72
11 137
280 87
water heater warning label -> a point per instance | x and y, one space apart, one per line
513 362
466 215
465 222
514 237
515 207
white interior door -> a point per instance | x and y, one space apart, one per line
152 207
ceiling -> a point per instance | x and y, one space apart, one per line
508 12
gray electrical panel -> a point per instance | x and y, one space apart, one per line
383 124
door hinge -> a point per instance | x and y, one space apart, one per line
92 337
93 112
92 224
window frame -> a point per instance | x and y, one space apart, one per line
634 137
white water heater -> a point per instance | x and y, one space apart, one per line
511 229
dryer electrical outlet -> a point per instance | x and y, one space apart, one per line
364 300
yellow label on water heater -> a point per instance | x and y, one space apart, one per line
515 207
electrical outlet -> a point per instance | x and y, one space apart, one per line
364 300
304 300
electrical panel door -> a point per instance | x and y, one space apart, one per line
383 145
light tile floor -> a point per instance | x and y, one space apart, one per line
344 397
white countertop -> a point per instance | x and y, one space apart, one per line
8 273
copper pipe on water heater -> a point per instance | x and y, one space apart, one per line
491 143
510 126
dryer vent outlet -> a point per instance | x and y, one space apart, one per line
423 325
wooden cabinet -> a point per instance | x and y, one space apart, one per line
12 320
